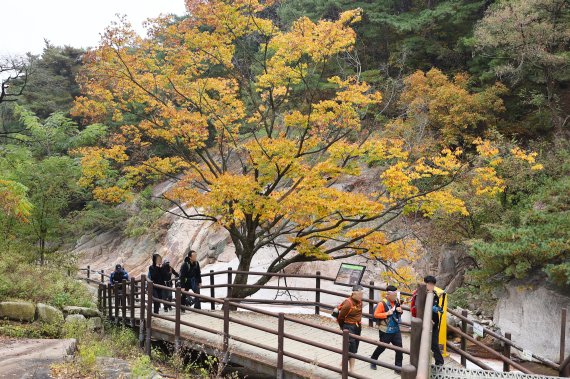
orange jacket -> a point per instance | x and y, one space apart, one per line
382 313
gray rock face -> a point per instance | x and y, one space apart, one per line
32 358
49 314
532 315
18 310
87 312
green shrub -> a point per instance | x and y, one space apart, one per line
141 367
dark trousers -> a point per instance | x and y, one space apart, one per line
158 294
193 285
393 338
435 346
353 342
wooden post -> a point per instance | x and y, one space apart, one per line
124 301
415 339
116 296
563 335
178 302
408 372
142 309
212 290
99 297
148 318
463 340
229 293
371 304
318 293
133 288
507 353
104 299
88 272
102 276
421 300
109 296
345 354
280 345
226 327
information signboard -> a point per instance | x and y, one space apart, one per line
349 274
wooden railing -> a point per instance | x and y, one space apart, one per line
420 327
133 293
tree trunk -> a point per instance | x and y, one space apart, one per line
244 265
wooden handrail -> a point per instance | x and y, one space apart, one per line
505 340
489 350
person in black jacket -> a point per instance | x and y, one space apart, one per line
157 277
167 272
191 278
436 310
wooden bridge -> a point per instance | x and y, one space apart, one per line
293 345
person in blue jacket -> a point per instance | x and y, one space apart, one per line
117 277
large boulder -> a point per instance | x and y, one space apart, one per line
531 313
49 314
87 312
18 310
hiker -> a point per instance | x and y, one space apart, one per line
191 278
117 277
350 318
155 275
435 318
389 313
167 271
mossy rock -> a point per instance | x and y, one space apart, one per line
18 310
87 312
49 314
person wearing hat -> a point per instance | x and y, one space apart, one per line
350 318
389 313
117 277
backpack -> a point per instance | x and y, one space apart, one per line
413 308
336 311
382 322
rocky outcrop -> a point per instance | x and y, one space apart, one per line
531 313
18 310
49 314
105 250
32 358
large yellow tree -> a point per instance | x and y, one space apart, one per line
256 132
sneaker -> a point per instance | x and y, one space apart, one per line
398 372
372 366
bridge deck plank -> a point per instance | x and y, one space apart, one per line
258 355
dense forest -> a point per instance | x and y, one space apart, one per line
460 108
